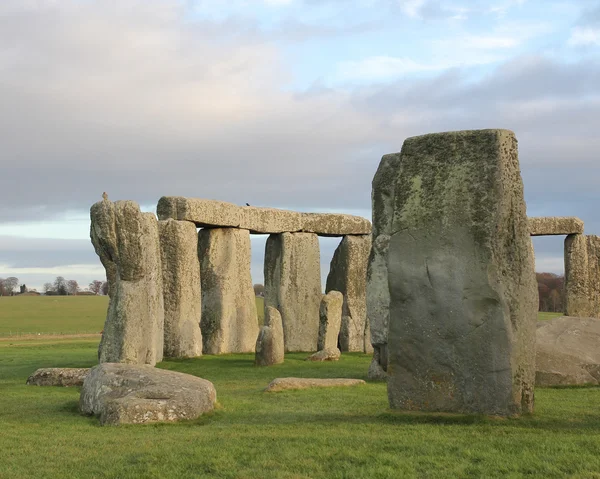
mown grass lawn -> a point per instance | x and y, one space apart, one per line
334 433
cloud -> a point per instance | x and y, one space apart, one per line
584 36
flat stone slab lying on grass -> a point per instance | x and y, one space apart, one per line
58 377
568 352
555 225
327 354
283 384
136 394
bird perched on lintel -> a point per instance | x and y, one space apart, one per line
104 196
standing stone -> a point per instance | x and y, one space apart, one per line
368 345
181 285
582 276
330 320
269 345
127 243
378 296
293 286
348 274
463 295
229 320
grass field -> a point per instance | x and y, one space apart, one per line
336 433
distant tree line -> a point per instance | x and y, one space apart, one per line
60 287
551 288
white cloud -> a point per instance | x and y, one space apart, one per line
411 7
584 36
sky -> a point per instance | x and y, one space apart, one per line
280 103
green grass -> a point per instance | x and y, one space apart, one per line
334 433
545 316
61 314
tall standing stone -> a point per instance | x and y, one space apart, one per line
330 320
127 243
229 320
293 286
463 295
582 276
181 286
348 274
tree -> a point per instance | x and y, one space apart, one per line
48 288
551 291
10 284
95 286
72 287
23 289
60 286
104 289
1 286
259 290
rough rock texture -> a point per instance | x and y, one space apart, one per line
555 225
58 377
181 288
378 296
582 276
348 274
229 319
283 384
568 351
368 345
269 345
127 243
463 293
136 394
330 314
213 213
328 354
293 286
378 366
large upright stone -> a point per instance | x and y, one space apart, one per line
348 274
127 243
181 286
229 320
461 278
293 286
330 320
378 296
582 276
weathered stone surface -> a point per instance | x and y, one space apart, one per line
181 288
269 345
376 372
330 314
348 274
293 286
331 224
136 394
283 384
461 277
568 351
229 321
127 243
58 377
211 213
368 345
555 225
328 354
582 276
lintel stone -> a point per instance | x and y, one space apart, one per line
555 225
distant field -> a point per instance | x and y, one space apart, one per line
60 314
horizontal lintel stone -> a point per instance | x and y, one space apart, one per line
555 225
214 214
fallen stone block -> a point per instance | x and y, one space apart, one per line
137 394
284 384
328 354
65 377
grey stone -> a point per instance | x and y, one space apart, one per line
582 276
136 394
211 213
269 345
555 225
461 277
229 321
568 352
127 243
328 354
348 274
330 314
58 377
181 288
376 372
368 345
283 384
293 286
